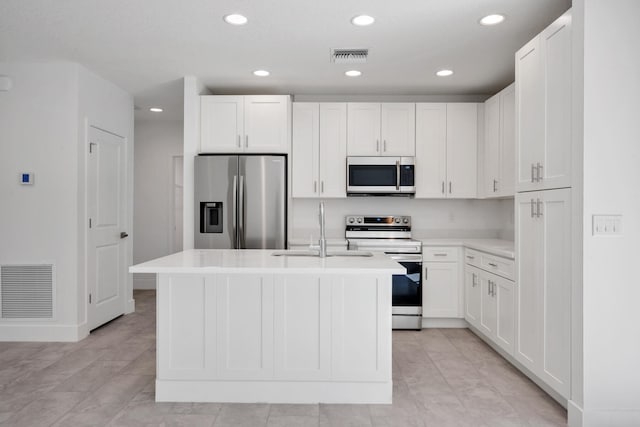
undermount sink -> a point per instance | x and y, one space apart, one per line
317 254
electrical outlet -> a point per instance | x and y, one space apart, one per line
607 225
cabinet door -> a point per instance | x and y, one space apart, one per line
505 310
266 124
507 181
462 150
529 113
528 241
333 150
555 288
556 156
488 312
305 150
491 174
441 290
472 296
221 124
363 129
398 129
431 150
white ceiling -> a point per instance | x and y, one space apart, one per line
145 46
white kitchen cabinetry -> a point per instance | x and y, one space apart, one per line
499 144
490 297
319 149
386 129
251 124
543 109
446 150
442 293
543 245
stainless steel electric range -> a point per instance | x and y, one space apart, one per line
392 235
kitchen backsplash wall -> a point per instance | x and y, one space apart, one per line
430 218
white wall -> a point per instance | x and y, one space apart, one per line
611 290
430 218
157 142
43 131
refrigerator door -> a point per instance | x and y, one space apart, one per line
216 183
262 202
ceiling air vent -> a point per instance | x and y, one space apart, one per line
349 56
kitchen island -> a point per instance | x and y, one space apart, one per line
247 326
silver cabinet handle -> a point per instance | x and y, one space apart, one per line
538 174
532 209
439 254
471 257
488 287
322 187
442 187
493 265
397 174
246 141
533 179
449 187
315 187
473 280
377 145
538 208
495 183
239 141
384 145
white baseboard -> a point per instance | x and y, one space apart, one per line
144 281
43 332
274 391
431 322
609 418
574 414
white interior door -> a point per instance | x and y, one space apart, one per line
106 208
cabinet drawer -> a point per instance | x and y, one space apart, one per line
497 265
445 254
472 257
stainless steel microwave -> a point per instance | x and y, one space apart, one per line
380 176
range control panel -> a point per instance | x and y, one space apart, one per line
378 221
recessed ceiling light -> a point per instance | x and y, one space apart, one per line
492 19
261 73
156 109
235 19
362 20
444 73
353 73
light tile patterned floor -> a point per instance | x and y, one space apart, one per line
442 377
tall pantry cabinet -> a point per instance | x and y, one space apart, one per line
543 205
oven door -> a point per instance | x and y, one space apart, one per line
407 288
380 175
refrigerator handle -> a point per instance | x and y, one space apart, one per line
241 216
235 211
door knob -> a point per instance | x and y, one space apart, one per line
123 234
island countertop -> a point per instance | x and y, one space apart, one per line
203 261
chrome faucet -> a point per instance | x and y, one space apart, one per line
323 239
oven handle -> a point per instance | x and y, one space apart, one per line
405 257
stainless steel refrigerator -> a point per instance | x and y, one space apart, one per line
240 202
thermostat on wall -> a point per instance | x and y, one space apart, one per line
26 178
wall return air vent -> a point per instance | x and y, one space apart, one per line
349 56
26 291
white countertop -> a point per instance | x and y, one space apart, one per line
503 248
203 261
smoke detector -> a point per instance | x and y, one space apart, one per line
349 56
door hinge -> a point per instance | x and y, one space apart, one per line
91 145
89 298
89 222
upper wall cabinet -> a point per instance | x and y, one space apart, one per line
499 144
386 129
543 109
252 124
319 149
446 150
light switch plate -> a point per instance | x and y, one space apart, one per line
607 225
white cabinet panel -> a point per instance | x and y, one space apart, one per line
462 146
221 124
499 144
333 149
305 149
363 129
491 173
245 326
441 293
507 184
472 296
505 313
431 150
488 315
359 352
302 327
398 129
265 123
